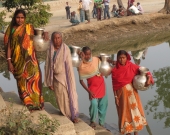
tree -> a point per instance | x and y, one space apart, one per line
119 2
37 12
162 79
166 8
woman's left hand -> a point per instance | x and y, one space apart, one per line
45 36
148 82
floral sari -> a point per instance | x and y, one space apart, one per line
27 72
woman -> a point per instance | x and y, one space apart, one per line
89 69
130 2
59 77
129 107
22 61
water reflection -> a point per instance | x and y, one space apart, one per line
138 55
156 59
162 82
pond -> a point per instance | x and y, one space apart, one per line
156 100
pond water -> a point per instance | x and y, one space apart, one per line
158 117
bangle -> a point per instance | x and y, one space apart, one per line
115 96
8 58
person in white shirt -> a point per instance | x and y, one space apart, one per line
86 7
106 8
139 7
134 10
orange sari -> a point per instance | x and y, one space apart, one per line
27 72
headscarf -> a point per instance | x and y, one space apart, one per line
122 75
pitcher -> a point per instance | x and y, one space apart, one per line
105 68
140 80
39 43
75 57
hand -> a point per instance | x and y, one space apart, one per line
11 67
117 101
45 36
148 82
91 95
51 87
81 54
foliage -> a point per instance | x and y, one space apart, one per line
37 12
163 96
49 96
18 122
38 15
2 21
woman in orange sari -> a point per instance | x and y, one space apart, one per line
22 61
128 103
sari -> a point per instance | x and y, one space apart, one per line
27 71
130 110
59 74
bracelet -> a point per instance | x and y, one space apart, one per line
8 58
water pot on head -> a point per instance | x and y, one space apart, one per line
105 67
74 55
140 80
39 43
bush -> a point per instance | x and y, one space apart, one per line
18 122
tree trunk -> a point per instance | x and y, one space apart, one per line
166 8
119 2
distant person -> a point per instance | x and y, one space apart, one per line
114 10
81 11
129 4
120 12
99 9
94 11
86 7
139 7
106 9
134 10
74 19
67 8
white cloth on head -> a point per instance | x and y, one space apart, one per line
135 10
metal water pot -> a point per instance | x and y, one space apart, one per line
105 67
39 43
140 80
74 55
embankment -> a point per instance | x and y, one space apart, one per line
120 33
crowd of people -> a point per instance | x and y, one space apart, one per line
101 9
59 77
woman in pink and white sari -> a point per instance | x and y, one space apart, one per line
59 76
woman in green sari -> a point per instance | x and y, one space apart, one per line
22 61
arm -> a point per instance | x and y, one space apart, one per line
8 56
116 98
91 95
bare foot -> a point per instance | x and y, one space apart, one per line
75 120
93 125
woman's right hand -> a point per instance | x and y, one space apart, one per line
91 95
11 67
51 87
117 101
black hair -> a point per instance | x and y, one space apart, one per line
18 11
120 52
85 49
